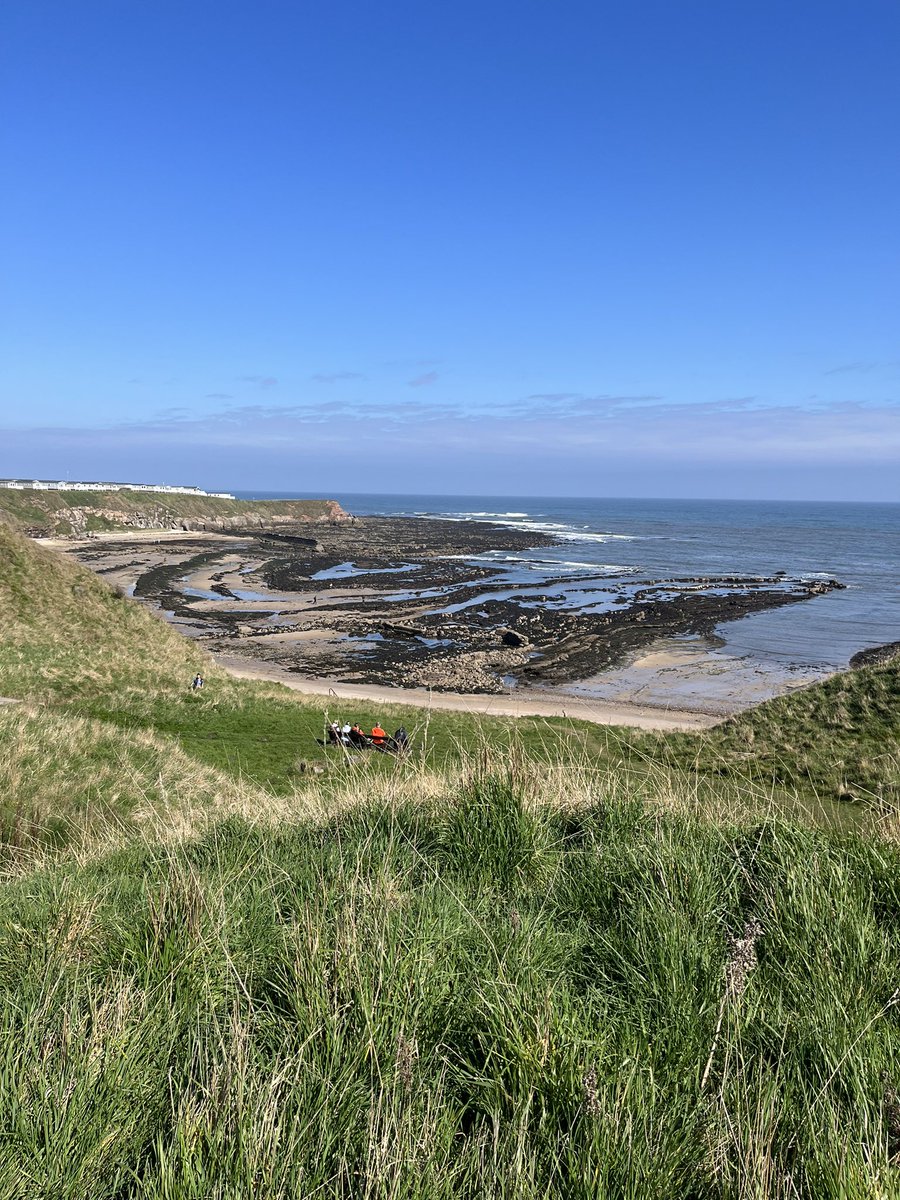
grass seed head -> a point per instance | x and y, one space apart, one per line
741 959
407 1054
590 1092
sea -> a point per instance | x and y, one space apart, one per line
749 659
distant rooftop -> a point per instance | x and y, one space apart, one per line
81 485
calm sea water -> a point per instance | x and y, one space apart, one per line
859 544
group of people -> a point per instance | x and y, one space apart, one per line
354 737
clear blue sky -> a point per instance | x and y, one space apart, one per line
581 247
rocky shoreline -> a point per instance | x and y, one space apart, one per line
414 602
874 656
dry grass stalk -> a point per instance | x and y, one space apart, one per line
739 965
405 1061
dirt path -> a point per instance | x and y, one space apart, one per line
521 705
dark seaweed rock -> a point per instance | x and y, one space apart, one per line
875 655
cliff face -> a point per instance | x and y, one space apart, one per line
75 514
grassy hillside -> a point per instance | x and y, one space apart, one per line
540 959
66 633
74 786
474 994
840 739
64 513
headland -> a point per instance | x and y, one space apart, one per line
56 512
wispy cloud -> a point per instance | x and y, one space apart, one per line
581 429
575 404
218 396
853 368
174 412
601 398
263 381
335 376
636 443
425 380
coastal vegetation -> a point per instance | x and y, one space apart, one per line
61 514
839 739
535 958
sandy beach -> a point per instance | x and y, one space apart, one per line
525 704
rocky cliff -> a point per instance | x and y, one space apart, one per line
76 514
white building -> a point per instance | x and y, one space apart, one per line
63 485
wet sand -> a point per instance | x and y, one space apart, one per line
693 673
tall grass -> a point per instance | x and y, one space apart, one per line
838 739
64 633
483 994
69 786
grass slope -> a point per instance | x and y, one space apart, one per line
477 996
81 787
577 963
56 511
839 739
64 632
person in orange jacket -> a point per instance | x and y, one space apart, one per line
378 736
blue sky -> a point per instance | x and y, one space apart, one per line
580 248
